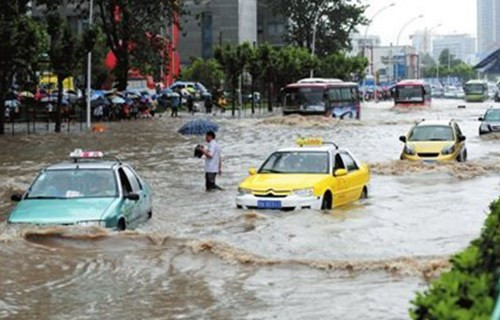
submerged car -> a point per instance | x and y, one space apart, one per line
490 122
432 141
315 175
88 191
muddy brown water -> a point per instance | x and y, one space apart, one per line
201 258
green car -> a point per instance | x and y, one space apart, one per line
89 192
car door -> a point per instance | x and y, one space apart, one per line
338 184
139 208
128 206
353 179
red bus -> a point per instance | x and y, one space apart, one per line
329 97
408 93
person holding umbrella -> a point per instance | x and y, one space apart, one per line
213 161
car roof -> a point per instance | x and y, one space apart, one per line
323 148
435 123
93 165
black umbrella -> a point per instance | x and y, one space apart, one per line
198 127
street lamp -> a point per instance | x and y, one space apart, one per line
365 39
399 36
315 29
89 70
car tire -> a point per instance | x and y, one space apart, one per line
122 225
462 157
326 203
364 194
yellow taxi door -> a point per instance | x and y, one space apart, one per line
338 184
354 180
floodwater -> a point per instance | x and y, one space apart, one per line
201 258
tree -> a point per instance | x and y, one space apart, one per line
66 52
233 60
19 45
446 58
336 20
208 72
338 65
254 68
127 25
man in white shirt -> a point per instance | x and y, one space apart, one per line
213 161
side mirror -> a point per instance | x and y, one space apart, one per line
481 119
340 173
462 138
252 171
402 139
16 197
133 197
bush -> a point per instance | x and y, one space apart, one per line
469 289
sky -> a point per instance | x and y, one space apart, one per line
456 16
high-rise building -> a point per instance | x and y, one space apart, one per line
215 22
488 26
462 46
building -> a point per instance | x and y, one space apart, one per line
393 63
76 14
358 43
216 22
462 46
422 41
271 26
488 26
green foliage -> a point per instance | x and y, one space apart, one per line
20 45
338 65
208 72
469 290
336 20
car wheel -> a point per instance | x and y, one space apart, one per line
122 225
364 194
327 201
462 157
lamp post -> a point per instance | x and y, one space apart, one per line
399 36
315 29
89 71
365 40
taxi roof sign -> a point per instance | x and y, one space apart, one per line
310 141
80 154
302 142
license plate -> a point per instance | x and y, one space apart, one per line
269 204
429 161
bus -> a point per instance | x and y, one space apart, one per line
329 97
408 93
476 91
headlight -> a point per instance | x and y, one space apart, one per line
409 150
97 223
243 191
448 150
304 193
485 127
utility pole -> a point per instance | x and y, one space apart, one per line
89 71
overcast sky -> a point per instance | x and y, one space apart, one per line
456 16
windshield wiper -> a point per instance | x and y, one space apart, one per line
45 198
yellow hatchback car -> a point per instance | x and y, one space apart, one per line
314 175
432 141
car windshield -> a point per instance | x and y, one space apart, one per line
492 115
305 97
78 183
410 93
296 162
475 88
431 133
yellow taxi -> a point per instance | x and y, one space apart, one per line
314 175
434 141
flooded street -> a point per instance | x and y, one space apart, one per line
201 258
